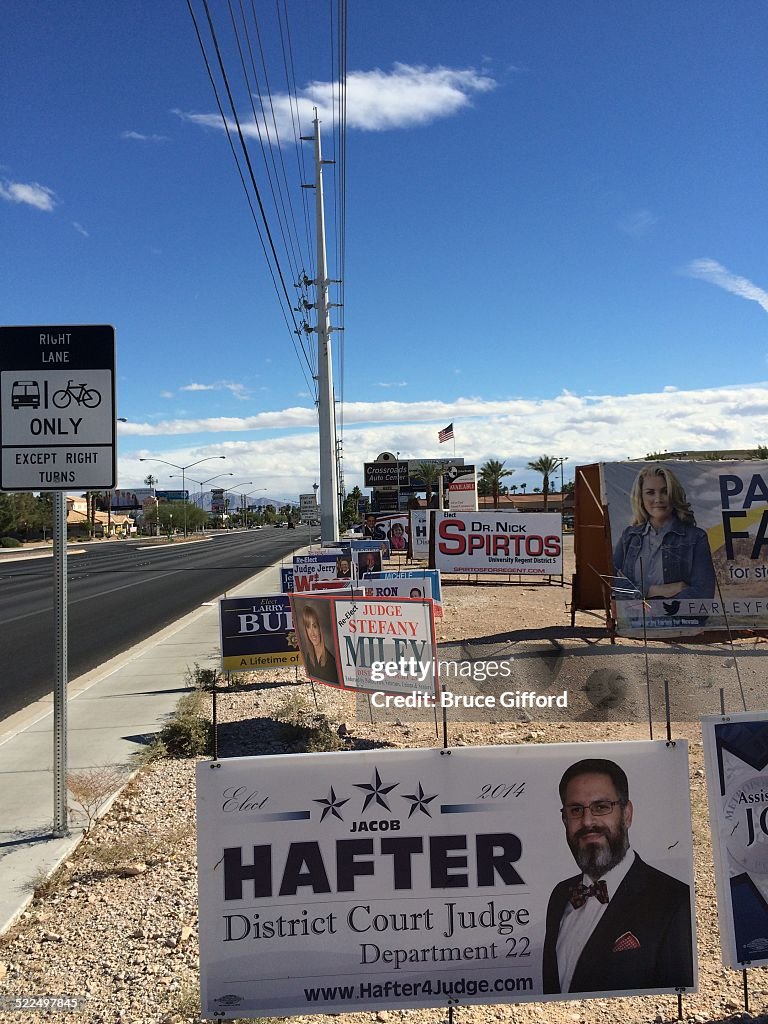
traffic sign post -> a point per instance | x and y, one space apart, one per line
57 408
57 431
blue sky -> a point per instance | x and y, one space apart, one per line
555 227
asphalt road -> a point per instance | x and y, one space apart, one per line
119 592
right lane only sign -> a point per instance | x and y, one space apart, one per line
57 407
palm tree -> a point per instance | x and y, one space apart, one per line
430 473
493 473
513 488
546 465
522 487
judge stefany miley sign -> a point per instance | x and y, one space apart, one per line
358 881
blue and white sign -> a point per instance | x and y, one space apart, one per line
736 752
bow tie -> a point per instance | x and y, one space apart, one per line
579 894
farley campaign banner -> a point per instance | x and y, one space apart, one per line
523 543
345 640
257 632
736 752
690 542
370 880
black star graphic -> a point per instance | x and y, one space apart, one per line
376 791
331 805
420 801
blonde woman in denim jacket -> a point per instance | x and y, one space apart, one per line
663 553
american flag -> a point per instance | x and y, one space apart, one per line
445 435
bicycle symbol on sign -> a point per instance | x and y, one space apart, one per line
81 394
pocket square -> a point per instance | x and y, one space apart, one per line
625 942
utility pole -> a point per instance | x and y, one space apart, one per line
329 486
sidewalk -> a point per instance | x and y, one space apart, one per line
111 711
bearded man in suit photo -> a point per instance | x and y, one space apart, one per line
620 924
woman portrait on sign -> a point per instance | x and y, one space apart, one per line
662 553
319 662
397 538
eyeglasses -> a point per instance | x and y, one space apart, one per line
598 809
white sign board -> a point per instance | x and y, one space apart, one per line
419 533
57 408
385 880
523 543
736 751
343 639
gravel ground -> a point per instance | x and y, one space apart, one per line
118 923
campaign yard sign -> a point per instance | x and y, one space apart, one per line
309 568
380 544
416 583
689 542
256 633
527 543
364 881
345 639
286 580
419 534
736 752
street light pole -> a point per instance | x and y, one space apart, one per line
232 489
184 469
561 460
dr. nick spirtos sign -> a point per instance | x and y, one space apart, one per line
497 542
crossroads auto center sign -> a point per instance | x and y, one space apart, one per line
369 880
528 543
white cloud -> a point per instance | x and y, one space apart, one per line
377 100
638 223
238 391
715 273
392 384
28 193
585 428
166 394
80 228
141 137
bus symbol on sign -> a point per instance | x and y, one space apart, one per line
25 393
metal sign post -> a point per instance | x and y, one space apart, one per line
57 431
60 823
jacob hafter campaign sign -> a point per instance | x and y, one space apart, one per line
529 543
370 880
690 545
736 750
257 632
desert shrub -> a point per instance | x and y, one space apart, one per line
303 730
90 787
189 733
10 542
203 678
